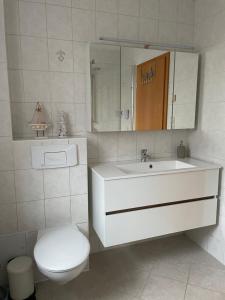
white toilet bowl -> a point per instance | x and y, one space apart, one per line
61 254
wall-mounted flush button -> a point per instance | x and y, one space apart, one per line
54 156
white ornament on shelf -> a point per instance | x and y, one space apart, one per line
38 123
62 128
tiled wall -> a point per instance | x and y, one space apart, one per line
208 142
35 199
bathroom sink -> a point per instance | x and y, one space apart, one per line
154 166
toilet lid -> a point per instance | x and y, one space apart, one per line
61 249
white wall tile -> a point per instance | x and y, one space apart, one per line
107 5
61 87
29 185
163 142
12 245
59 22
56 182
55 141
12 16
31 239
8 218
84 4
6 154
107 146
7 187
4 86
128 27
92 146
5 128
127 146
31 215
168 10
83 25
34 53
60 55
167 32
78 180
106 25
2 37
57 211
149 8
185 34
186 10
14 53
36 86
16 85
79 208
60 2
32 19
129 7
81 144
39 1
148 30
22 154
81 62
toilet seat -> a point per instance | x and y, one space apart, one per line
61 249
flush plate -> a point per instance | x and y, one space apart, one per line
54 156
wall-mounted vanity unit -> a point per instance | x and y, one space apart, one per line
136 89
135 201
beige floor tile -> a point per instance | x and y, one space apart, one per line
161 288
209 278
171 270
197 293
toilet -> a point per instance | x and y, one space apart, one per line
61 253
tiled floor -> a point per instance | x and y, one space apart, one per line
171 268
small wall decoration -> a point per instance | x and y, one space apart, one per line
61 55
38 123
147 77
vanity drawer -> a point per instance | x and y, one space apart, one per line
151 190
142 224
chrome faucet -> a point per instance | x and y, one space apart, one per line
144 155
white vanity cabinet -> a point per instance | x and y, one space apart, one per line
131 207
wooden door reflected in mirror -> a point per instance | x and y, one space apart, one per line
152 93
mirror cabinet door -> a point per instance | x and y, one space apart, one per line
185 88
136 89
105 87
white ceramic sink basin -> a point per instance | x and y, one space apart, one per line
154 166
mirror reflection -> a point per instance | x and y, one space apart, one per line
135 89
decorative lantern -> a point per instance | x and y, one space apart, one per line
38 122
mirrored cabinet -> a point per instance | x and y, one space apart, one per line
136 89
